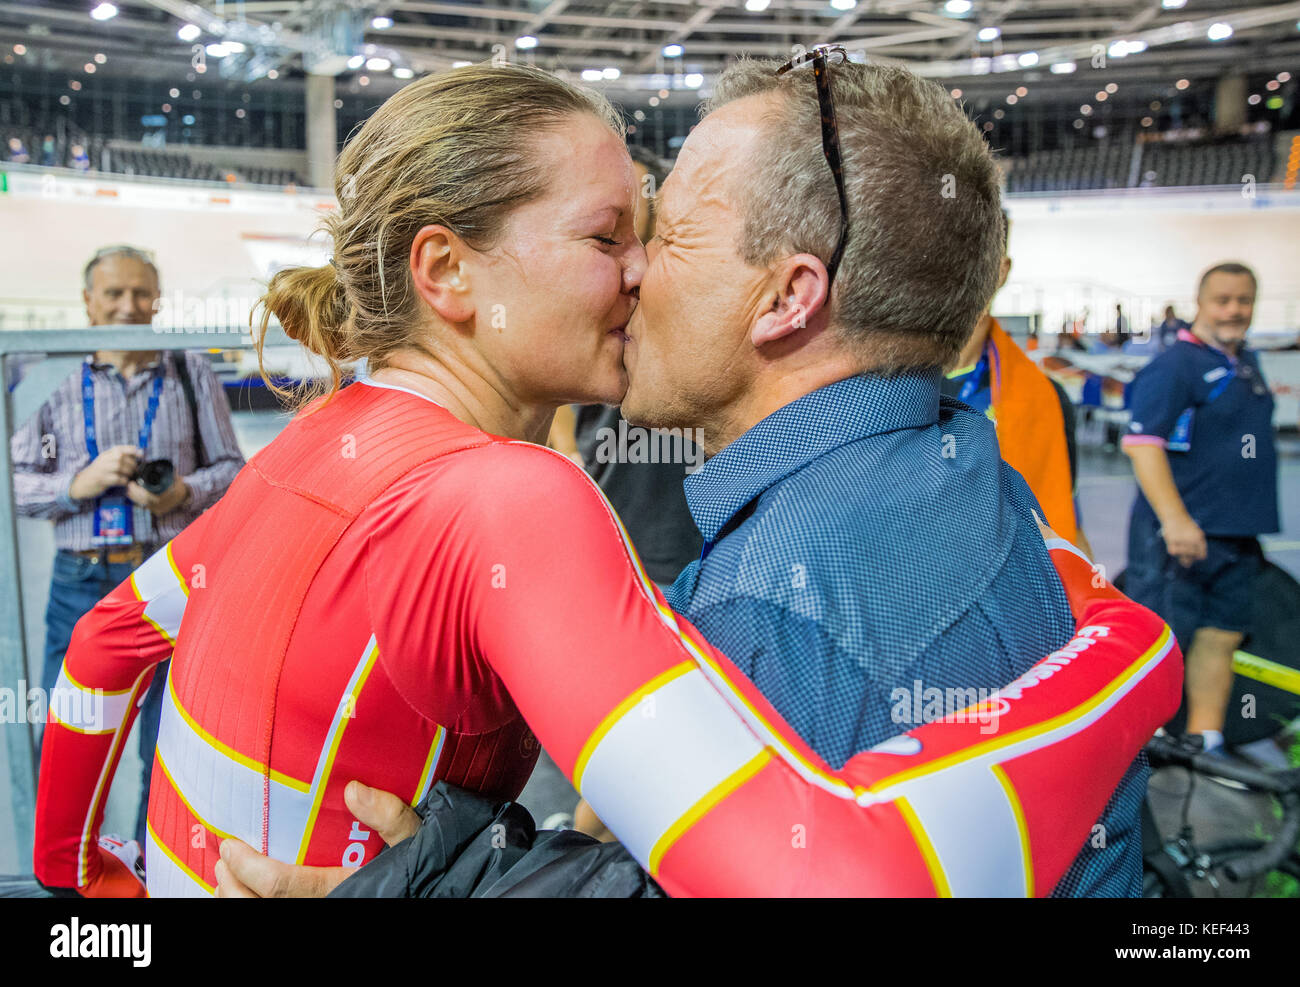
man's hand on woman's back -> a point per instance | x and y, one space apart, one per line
242 872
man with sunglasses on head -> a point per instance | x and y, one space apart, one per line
1201 442
124 454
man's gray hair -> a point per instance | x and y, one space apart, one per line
1226 267
925 238
120 250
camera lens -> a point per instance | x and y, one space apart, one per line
156 475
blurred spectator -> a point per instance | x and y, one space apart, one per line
79 159
1033 415
77 463
1201 442
49 157
1168 329
18 151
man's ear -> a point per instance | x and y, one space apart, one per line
1004 271
797 293
439 273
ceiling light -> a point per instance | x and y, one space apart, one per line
381 23
104 12
957 6
592 75
217 50
189 32
1063 68
526 41
461 65
1219 31
756 5
100 58
610 72
1028 59
378 64
402 72
356 61
673 51
989 33
693 80
1173 4
844 4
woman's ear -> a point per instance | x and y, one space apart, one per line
439 273
800 286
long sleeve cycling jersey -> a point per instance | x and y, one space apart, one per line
387 593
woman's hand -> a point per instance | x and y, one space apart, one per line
242 872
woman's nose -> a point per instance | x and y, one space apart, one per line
634 266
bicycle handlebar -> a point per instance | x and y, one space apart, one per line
1162 749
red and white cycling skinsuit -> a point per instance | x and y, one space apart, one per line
385 593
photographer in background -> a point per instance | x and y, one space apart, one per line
126 452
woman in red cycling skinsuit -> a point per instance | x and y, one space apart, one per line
392 587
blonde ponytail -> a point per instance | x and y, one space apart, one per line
311 306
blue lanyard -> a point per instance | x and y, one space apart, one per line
88 402
972 385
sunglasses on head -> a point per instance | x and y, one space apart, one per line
819 57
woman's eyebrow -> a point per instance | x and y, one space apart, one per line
600 212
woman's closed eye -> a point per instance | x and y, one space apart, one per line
608 240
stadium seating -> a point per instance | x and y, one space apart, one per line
168 162
1109 164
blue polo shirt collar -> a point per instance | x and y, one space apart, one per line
793 436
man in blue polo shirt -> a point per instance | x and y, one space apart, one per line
1201 442
864 541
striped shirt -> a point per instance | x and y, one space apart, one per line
49 449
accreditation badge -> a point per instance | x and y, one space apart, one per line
113 521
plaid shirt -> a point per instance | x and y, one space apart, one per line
868 538
49 449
